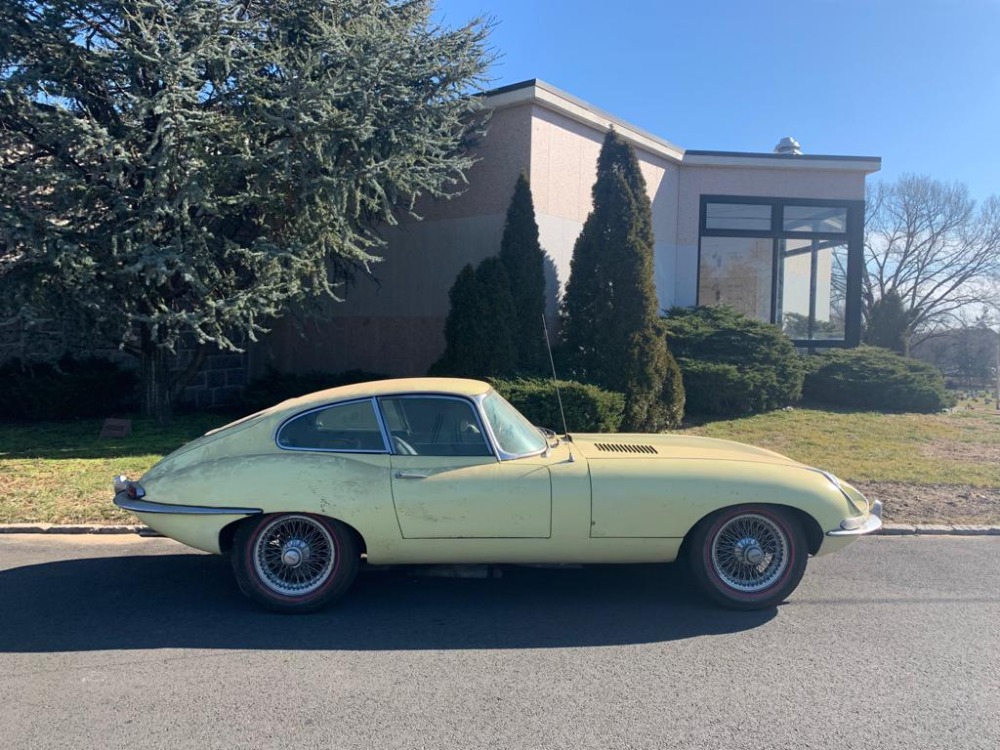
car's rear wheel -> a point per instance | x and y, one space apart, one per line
748 556
294 562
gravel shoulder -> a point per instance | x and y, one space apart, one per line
935 503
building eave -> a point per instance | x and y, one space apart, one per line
538 92
831 162
545 95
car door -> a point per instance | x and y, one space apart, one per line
448 484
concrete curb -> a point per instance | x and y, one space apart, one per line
889 529
83 528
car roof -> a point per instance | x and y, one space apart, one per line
447 386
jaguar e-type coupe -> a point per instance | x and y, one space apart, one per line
439 470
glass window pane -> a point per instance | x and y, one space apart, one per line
345 427
736 271
815 219
432 426
752 216
813 287
514 434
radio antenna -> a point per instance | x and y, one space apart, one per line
555 378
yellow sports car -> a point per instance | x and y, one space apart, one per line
440 470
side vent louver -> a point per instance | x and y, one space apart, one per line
621 448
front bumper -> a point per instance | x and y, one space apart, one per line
873 523
139 505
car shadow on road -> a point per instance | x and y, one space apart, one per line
191 601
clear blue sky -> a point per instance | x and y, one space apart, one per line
916 82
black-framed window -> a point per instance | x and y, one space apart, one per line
793 262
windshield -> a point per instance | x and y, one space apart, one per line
515 435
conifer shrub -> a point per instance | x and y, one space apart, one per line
889 323
611 330
479 330
524 261
588 408
68 389
869 377
732 364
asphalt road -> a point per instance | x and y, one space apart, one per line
893 643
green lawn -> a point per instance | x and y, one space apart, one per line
61 472
961 447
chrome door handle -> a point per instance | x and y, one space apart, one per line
410 475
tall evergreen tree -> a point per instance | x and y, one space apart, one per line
524 260
479 333
611 327
889 323
190 169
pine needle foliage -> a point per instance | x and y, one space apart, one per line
889 324
522 256
478 333
189 168
494 325
611 328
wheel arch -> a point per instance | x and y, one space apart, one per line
810 526
228 533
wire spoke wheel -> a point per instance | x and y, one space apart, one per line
750 553
749 556
294 555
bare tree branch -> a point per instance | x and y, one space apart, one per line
930 243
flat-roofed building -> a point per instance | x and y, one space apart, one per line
778 236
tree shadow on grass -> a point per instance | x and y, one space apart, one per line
191 601
79 438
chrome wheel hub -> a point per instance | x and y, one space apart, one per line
749 553
294 555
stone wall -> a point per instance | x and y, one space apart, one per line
219 384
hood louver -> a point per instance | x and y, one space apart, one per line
622 448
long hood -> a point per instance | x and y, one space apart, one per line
633 446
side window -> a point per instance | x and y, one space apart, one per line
433 426
344 427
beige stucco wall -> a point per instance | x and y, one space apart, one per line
396 326
563 170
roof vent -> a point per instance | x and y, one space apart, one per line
623 448
788 145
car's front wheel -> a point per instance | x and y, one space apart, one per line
748 556
294 562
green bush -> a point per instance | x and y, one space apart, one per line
275 386
478 332
732 364
588 408
872 378
70 389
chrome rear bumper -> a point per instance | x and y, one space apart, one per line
138 505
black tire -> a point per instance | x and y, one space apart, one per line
294 562
723 547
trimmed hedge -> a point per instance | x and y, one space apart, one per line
588 408
70 389
872 378
275 386
732 364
